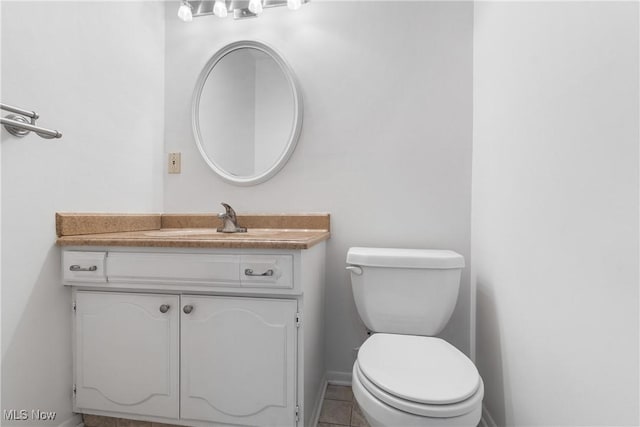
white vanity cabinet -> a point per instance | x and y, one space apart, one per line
190 337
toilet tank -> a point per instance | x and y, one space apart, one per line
405 291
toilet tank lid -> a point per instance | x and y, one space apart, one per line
405 258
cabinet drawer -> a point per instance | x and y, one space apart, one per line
273 271
174 268
83 266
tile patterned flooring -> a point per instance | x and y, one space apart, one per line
339 408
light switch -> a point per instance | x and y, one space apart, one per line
174 163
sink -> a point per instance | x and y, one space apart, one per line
211 233
186 232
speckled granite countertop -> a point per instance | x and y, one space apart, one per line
265 231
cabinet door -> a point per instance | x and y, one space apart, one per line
126 353
238 360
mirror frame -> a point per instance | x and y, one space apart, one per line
297 107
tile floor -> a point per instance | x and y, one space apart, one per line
339 408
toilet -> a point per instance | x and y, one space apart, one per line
403 374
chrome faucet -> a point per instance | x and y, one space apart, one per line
230 221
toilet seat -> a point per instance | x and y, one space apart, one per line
425 376
421 409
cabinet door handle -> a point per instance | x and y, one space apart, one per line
164 308
187 309
249 272
76 267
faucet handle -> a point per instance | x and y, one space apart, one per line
228 209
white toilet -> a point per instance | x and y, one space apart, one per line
404 376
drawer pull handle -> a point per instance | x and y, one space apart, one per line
249 272
164 308
76 267
187 309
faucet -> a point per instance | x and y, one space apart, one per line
230 221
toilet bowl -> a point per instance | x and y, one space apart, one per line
404 380
403 375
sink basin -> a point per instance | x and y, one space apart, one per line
187 232
210 233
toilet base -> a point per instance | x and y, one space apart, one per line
379 414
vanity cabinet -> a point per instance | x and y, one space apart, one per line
190 337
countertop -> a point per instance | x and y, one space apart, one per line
265 231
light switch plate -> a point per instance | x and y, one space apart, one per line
174 163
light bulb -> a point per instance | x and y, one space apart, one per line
220 9
255 6
294 4
184 12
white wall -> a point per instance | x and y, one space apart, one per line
0 221
386 140
555 211
94 71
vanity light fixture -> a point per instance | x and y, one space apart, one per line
220 8
190 9
255 6
185 12
294 4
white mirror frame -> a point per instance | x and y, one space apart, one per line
297 107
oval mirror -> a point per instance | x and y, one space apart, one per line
246 113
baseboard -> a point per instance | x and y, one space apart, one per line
339 378
74 421
315 416
487 420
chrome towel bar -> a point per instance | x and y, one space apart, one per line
18 125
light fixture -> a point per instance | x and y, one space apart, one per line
294 4
190 9
184 12
255 6
220 8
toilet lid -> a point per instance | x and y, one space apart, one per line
420 369
422 409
